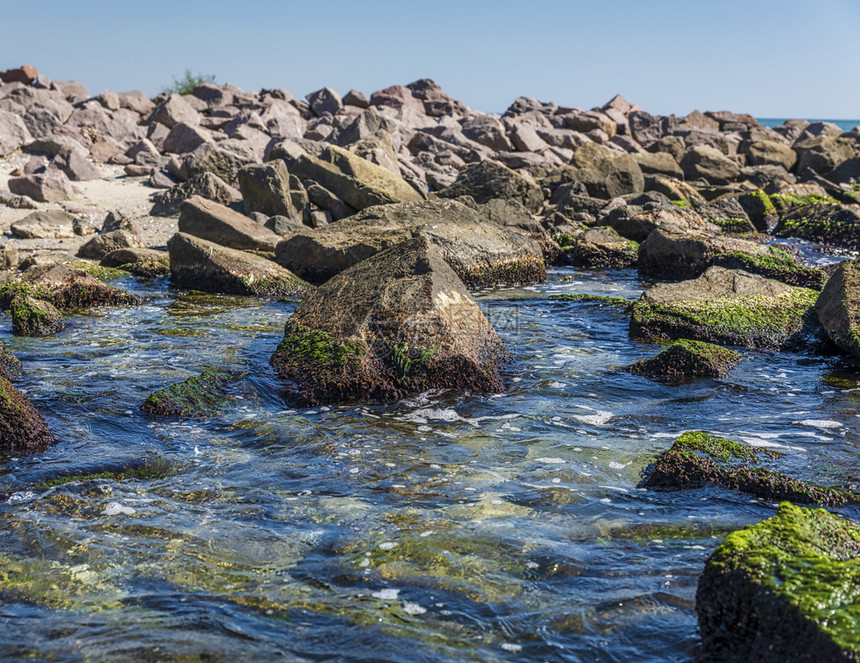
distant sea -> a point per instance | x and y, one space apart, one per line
845 125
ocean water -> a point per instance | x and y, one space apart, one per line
446 527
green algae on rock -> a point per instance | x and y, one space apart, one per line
727 307
828 222
602 248
785 589
197 396
398 323
22 428
775 264
697 459
65 288
759 208
35 317
687 360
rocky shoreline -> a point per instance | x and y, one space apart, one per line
381 214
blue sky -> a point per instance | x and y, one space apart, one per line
769 58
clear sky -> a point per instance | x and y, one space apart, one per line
787 58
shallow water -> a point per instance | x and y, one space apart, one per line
444 528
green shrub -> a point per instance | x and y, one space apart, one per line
188 82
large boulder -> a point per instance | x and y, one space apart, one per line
22 428
206 185
13 133
727 307
209 220
223 159
199 264
487 180
838 307
175 110
358 182
636 224
396 324
605 172
601 248
709 163
100 245
483 253
44 224
824 153
771 153
52 186
658 163
785 589
265 188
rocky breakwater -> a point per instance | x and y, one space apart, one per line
398 323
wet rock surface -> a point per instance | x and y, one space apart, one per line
398 323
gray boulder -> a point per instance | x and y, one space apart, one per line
489 179
206 185
213 222
355 180
266 188
482 253
52 186
204 265
606 173
13 133
838 307
701 161
45 224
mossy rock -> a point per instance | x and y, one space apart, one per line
396 324
785 589
602 248
10 365
827 222
776 264
22 428
733 226
99 272
759 208
126 471
773 315
786 202
687 360
34 317
697 459
65 289
197 396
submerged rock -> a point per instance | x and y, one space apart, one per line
727 307
34 317
202 265
398 323
686 360
482 252
22 428
197 396
697 459
785 589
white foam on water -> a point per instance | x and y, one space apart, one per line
760 442
386 594
413 609
115 509
618 466
511 647
550 460
814 436
598 419
819 423
557 385
21 496
387 545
